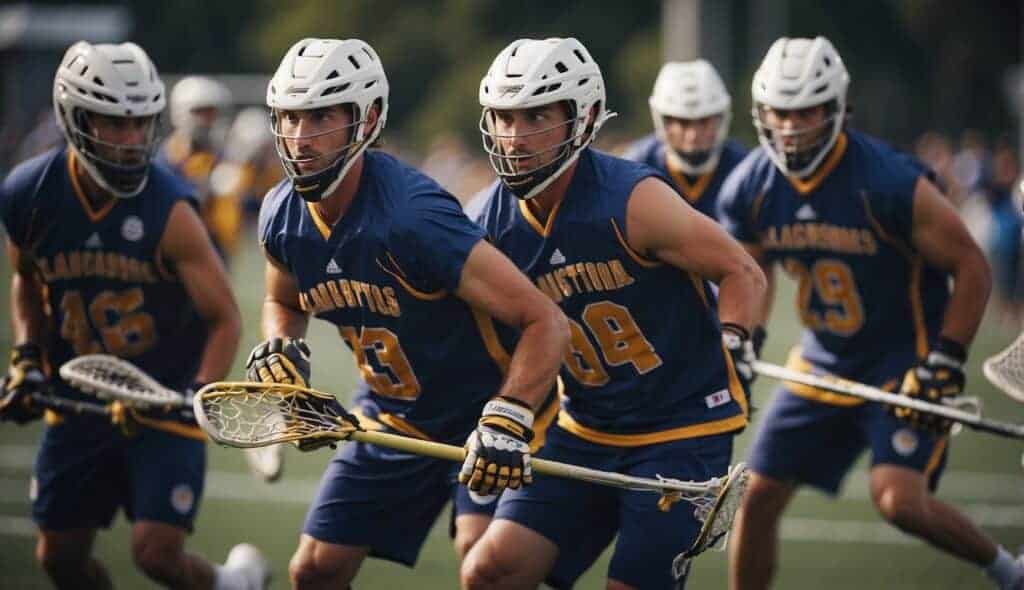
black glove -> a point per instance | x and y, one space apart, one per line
279 360
317 406
938 379
744 349
498 451
25 377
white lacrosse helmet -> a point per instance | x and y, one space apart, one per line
691 90
192 93
116 81
318 73
531 73
798 74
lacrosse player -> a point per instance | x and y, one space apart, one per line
200 111
873 244
371 245
111 257
650 387
691 110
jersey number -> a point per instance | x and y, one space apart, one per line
619 339
391 374
833 281
124 331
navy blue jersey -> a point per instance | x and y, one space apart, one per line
107 288
646 363
386 274
869 302
701 191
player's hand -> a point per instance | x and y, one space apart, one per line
279 360
24 378
939 379
744 349
316 406
498 451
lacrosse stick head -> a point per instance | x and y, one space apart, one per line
1006 369
111 378
716 513
249 415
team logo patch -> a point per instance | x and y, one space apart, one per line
557 257
480 500
33 489
132 229
182 498
904 442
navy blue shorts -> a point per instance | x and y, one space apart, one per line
386 500
582 518
814 443
86 469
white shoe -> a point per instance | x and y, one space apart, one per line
250 563
266 462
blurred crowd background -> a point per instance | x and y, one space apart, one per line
941 78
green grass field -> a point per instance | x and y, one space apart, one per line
836 544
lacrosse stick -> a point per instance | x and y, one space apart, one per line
247 415
69 406
1006 369
960 415
110 378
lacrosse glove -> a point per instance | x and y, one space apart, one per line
279 360
24 378
498 451
938 379
743 349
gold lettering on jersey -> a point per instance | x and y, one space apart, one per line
583 277
820 236
341 293
78 264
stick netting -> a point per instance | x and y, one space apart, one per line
110 377
1006 369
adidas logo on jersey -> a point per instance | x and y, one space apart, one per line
806 212
557 257
94 241
333 268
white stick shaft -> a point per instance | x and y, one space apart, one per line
874 394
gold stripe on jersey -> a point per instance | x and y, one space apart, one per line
546 417
916 268
692 192
93 214
730 424
402 425
543 229
321 225
489 334
642 261
735 385
796 362
698 286
399 275
933 461
814 180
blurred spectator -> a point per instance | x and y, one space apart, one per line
936 151
969 164
250 166
199 114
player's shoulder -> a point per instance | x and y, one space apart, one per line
752 174
733 153
607 170
885 167
404 190
494 208
164 183
24 177
643 149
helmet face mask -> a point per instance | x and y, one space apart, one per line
525 76
523 170
691 91
694 145
108 99
317 74
795 76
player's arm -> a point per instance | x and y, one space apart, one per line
491 283
661 225
940 236
28 316
498 451
282 316
187 246
942 239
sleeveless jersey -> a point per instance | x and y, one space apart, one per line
701 191
108 290
646 363
869 303
385 275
